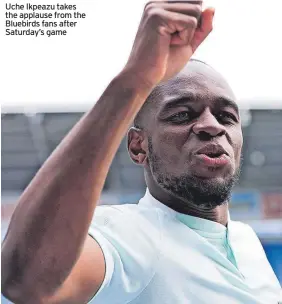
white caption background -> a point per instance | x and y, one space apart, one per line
71 72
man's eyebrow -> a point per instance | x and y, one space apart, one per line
178 101
220 101
226 102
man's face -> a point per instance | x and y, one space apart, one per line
195 137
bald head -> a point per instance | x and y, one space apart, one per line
197 78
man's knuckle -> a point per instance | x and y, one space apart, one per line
154 13
149 6
197 9
192 22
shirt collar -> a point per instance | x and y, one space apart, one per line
193 222
149 200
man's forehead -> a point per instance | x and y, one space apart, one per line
197 79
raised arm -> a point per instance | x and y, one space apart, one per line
47 255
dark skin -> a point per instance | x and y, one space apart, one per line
203 111
39 262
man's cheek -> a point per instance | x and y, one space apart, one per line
168 156
237 147
238 157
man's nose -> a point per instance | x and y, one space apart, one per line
207 124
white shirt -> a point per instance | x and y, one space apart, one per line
153 254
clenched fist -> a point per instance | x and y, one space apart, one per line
168 35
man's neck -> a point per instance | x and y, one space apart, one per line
217 214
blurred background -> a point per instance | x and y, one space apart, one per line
28 139
49 83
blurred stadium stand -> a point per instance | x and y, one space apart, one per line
28 139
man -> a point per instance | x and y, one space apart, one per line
178 244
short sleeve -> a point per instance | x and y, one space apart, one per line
130 242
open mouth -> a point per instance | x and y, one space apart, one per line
212 150
213 159
213 155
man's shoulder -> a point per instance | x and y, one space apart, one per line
131 213
116 209
244 234
129 230
128 220
129 237
239 228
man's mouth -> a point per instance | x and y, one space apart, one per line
213 155
214 160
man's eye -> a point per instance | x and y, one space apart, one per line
226 117
180 117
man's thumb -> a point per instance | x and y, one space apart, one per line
205 28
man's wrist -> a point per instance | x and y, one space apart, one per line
130 79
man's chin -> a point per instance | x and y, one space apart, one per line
212 172
213 177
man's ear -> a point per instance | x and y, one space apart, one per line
137 145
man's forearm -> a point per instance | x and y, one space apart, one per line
50 223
